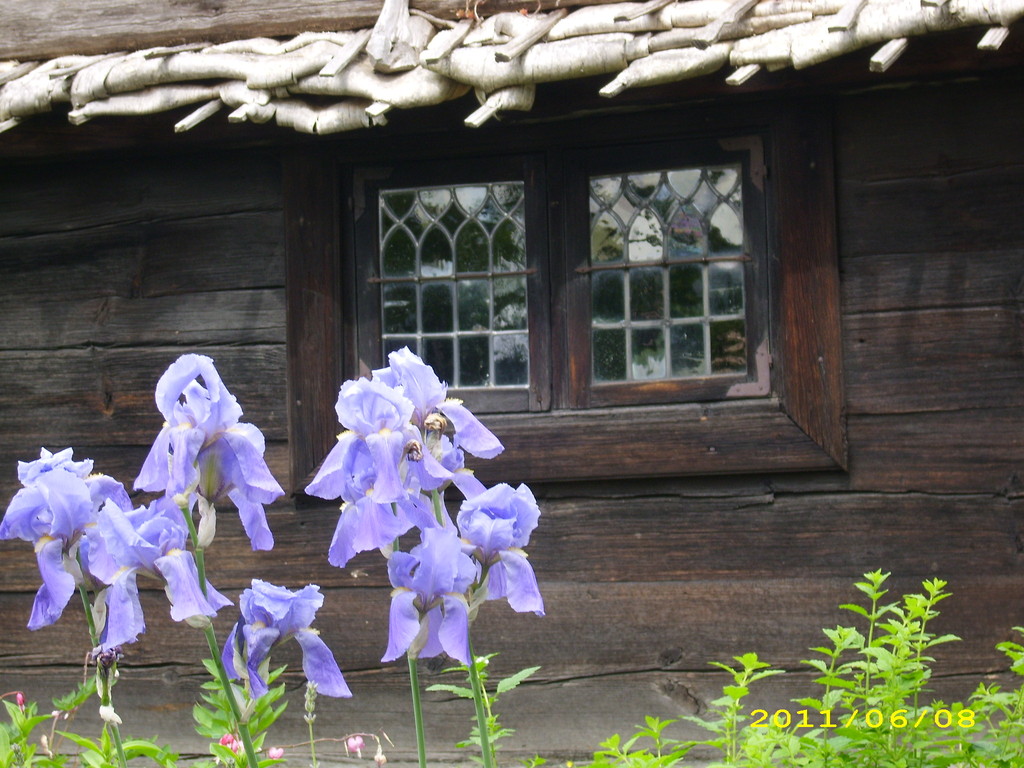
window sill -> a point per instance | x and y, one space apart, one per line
651 441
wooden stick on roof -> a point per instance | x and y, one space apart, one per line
887 54
710 33
518 45
993 38
642 10
847 17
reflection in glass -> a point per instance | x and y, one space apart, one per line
474 305
686 290
609 347
687 342
437 308
474 361
471 248
399 254
648 353
607 293
510 303
606 241
439 352
676 308
399 308
511 360
725 287
728 347
436 254
646 238
452 260
646 299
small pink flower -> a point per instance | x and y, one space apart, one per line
355 744
228 740
275 753
19 699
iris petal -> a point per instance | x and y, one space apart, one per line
319 666
403 624
58 585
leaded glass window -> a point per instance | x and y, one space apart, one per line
453 280
667 271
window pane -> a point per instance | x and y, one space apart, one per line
453 260
688 350
400 308
725 293
474 361
471 248
439 353
609 355
677 303
511 359
437 308
648 353
646 300
474 305
686 290
728 347
510 303
608 297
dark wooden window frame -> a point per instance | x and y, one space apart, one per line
799 426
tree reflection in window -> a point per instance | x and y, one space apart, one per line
667 274
453 280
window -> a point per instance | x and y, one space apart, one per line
658 306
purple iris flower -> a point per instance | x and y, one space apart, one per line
365 523
429 396
429 611
270 615
54 510
378 417
495 525
148 540
204 449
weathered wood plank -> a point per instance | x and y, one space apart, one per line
100 26
949 128
934 360
85 396
213 253
899 281
670 539
560 720
978 450
972 211
231 252
92 193
718 441
120 462
197 319
623 627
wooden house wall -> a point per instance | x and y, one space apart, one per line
110 267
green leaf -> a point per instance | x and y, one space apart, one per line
514 680
457 690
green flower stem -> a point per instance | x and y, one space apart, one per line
482 721
435 498
229 692
211 640
417 711
312 745
104 692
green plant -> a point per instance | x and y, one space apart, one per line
662 750
495 731
872 708
214 719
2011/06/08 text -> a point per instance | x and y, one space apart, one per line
872 718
